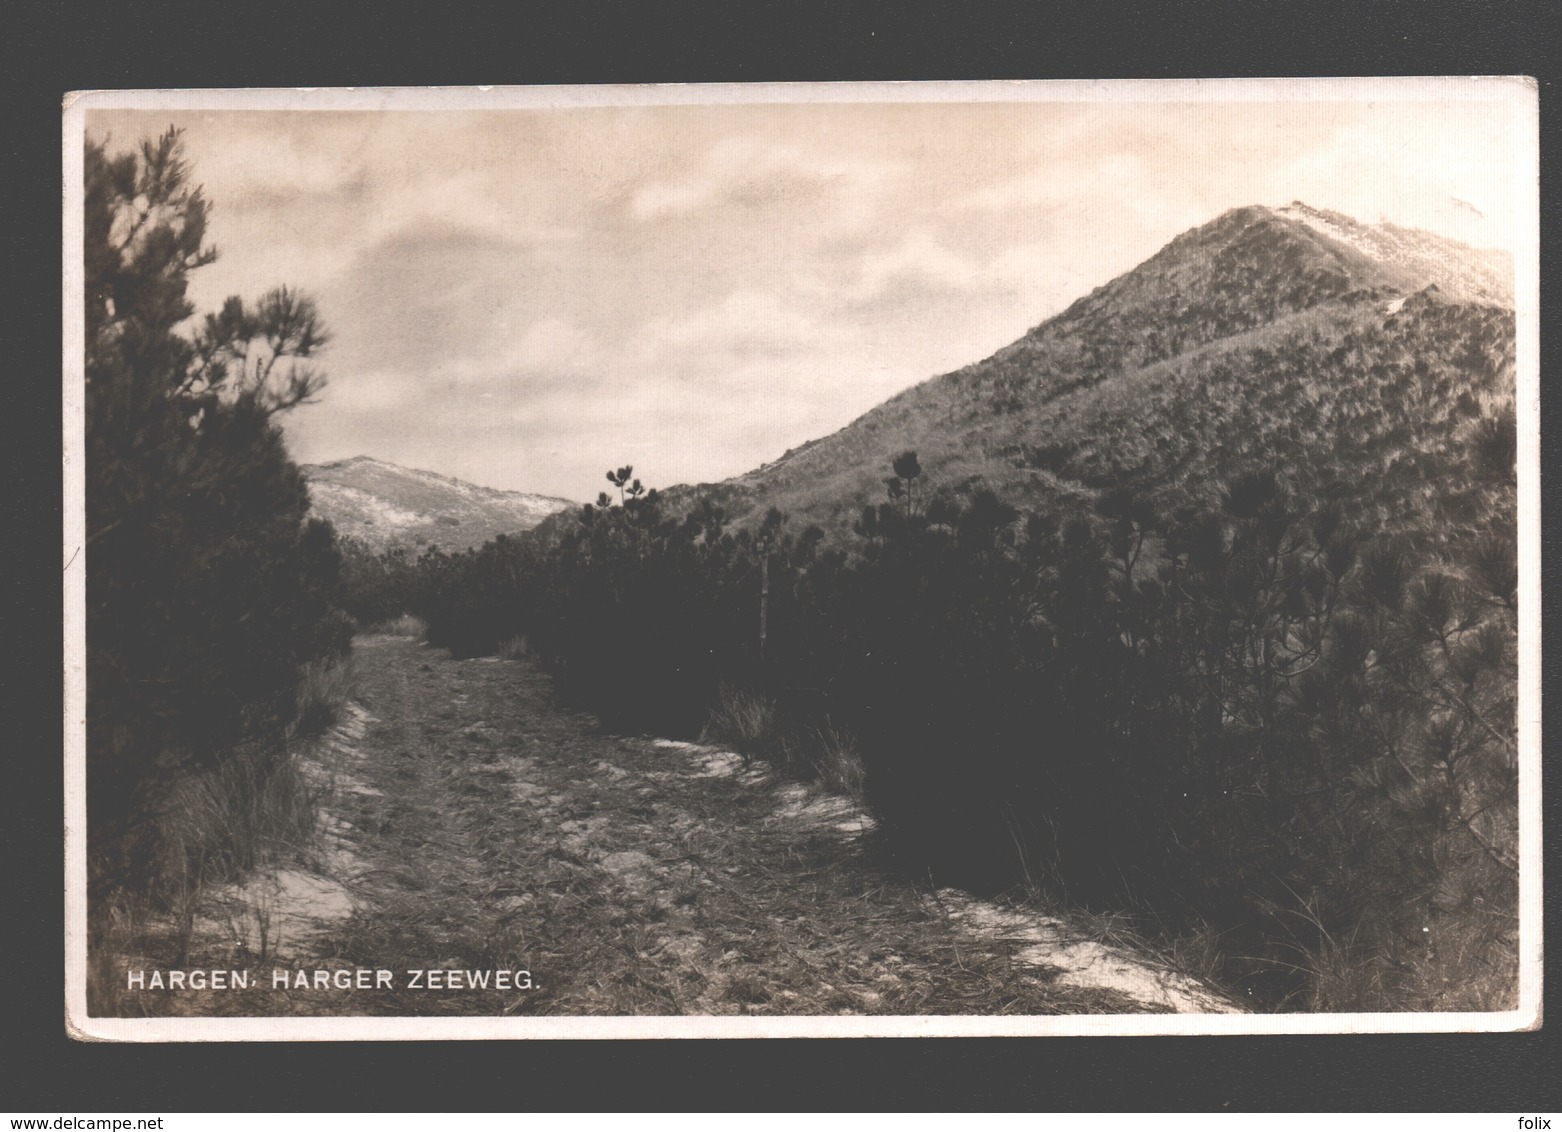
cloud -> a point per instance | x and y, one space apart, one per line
745 322
368 391
252 160
753 173
1055 183
432 296
918 262
1417 173
467 200
923 275
551 344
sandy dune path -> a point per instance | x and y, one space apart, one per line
476 825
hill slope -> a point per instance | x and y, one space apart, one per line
1343 352
386 505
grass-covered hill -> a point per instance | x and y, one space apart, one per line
1289 339
388 506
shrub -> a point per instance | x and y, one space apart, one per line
1244 720
377 588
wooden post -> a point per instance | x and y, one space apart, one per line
764 598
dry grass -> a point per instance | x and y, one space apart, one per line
750 723
1197 952
755 726
249 816
837 762
1459 967
322 690
407 625
255 812
254 809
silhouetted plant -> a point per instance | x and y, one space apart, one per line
622 477
907 469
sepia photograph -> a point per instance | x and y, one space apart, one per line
802 560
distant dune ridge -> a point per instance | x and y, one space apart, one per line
387 506
1277 336
1291 338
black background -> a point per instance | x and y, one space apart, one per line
52 48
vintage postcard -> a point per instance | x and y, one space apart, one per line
909 559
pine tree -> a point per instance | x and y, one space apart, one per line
206 588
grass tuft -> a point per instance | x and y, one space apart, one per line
406 625
322 690
836 761
750 723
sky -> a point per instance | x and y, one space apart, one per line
524 297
